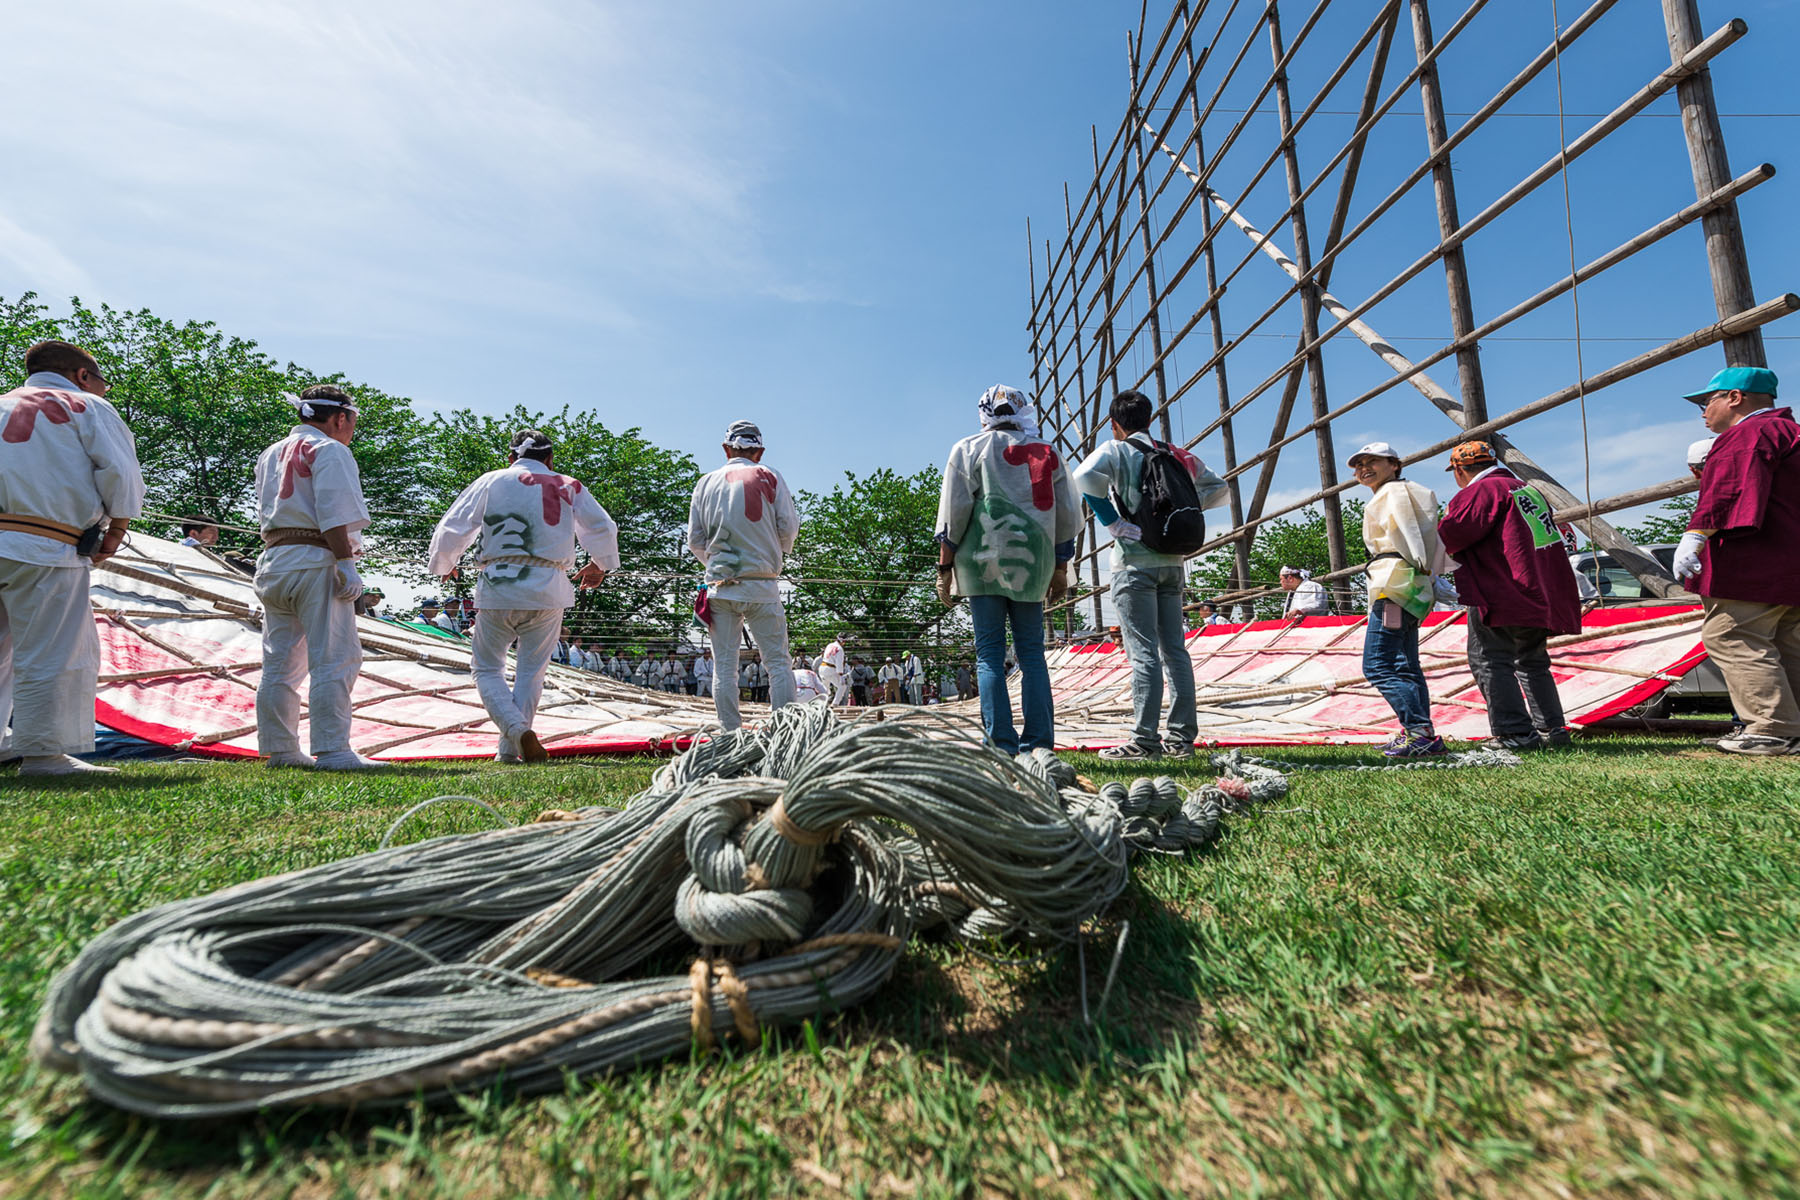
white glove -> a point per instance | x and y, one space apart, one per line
1687 554
350 584
1124 531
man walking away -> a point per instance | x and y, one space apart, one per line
1148 578
1742 555
69 488
1006 527
309 507
525 521
741 526
832 671
1513 576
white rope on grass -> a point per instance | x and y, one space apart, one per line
721 898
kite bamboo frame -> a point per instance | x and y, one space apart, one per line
1105 296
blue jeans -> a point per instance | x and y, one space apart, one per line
1391 663
990 615
1151 625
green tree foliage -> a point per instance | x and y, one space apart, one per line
203 406
1667 523
643 486
867 562
1297 541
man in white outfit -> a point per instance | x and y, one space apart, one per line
741 525
309 507
69 487
703 674
832 674
525 520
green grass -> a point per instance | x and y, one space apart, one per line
1581 977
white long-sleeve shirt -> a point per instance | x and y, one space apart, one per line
1400 519
66 456
888 673
831 661
528 519
307 480
1308 600
741 526
1009 510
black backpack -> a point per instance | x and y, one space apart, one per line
1168 510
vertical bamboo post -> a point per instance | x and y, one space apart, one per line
1309 302
1227 435
1093 530
1726 257
1150 292
1456 270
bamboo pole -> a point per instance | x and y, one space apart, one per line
1309 297
1726 259
1456 269
1152 298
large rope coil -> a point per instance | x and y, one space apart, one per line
526 953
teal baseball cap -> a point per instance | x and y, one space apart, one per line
1760 380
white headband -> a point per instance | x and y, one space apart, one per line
308 412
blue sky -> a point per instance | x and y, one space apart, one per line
808 214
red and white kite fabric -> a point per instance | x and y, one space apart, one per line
182 648
1273 682
181 654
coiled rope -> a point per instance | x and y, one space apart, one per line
786 866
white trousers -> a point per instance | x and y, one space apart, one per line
836 685
768 629
49 658
915 691
307 631
496 629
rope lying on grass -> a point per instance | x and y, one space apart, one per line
529 952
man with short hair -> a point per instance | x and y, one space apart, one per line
525 521
703 673
861 677
310 510
1741 554
1513 575
741 526
1147 585
69 488
199 532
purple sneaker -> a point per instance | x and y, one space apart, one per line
1417 746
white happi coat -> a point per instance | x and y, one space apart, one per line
527 519
831 661
307 480
1007 505
66 456
741 524
1400 519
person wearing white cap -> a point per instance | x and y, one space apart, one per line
741 526
310 510
69 487
1696 455
1305 597
912 679
1400 533
525 521
1739 556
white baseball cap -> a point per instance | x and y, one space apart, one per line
1375 450
1696 455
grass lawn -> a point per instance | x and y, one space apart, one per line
1581 977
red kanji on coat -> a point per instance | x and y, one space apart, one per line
558 491
1042 462
296 463
23 421
759 488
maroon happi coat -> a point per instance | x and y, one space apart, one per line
1750 493
1501 574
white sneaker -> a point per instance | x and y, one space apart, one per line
60 764
508 758
291 759
349 760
